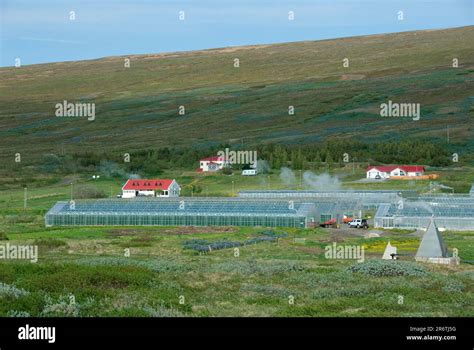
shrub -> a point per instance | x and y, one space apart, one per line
251 266
269 290
227 171
20 219
49 243
385 268
453 287
12 291
87 191
271 233
65 306
162 311
15 313
3 236
202 245
153 265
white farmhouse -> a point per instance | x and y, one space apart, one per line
150 188
211 164
387 171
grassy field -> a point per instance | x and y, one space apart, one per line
85 271
137 107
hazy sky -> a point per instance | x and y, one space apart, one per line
39 31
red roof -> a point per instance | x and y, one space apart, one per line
147 185
213 159
389 168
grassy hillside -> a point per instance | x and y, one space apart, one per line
137 107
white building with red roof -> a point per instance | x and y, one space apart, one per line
387 171
212 164
151 188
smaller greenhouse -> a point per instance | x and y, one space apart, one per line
452 212
197 211
368 198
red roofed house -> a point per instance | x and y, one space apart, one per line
153 188
212 164
386 171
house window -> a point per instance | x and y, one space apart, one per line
166 193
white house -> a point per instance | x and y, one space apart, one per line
212 164
386 171
151 188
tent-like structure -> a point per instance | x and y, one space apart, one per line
432 244
390 252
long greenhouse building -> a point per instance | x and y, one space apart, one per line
181 212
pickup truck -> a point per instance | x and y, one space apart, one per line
359 223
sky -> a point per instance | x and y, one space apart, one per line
41 31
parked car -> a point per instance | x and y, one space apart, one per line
359 223
249 172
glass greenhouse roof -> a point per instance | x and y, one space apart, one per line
184 206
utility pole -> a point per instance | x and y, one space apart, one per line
71 190
448 133
25 198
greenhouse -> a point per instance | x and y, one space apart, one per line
452 212
368 198
194 211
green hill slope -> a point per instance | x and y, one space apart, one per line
137 107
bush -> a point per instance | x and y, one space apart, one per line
201 245
153 265
87 191
227 170
251 266
65 306
3 236
12 291
15 313
386 268
49 243
267 290
453 287
162 311
20 219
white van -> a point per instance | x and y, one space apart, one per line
249 172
